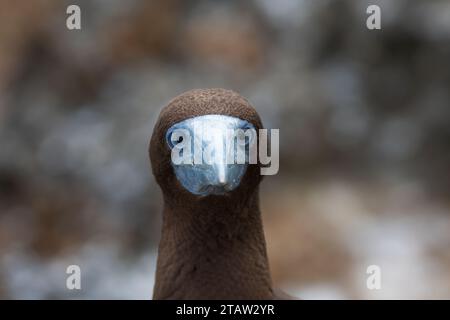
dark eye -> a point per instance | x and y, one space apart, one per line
241 137
172 143
246 135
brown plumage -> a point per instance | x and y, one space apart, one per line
211 247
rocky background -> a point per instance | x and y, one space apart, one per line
364 120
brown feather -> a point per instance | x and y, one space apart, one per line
211 247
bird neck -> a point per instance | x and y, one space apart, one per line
213 249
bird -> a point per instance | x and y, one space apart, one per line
212 244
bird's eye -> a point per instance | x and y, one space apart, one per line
246 135
174 138
241 136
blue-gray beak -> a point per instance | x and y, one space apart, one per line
210 153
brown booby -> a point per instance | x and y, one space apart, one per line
212 242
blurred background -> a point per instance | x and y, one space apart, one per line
364 120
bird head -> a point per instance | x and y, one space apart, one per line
202 146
